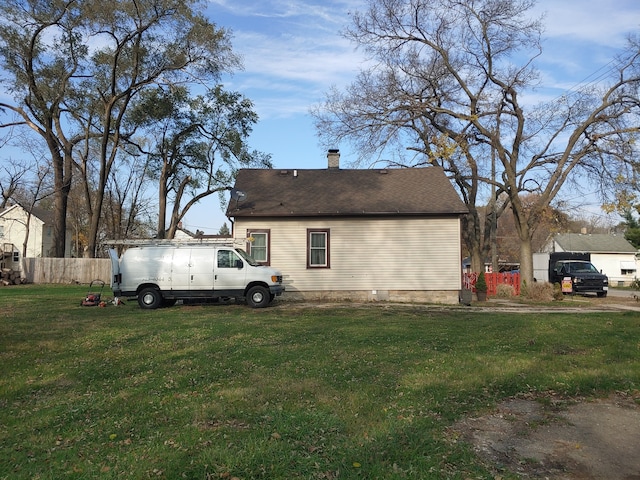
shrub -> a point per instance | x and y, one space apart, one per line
538 292
481 283
557 292
505 291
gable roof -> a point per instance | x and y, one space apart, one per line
593 243
44 216
338 192
8 210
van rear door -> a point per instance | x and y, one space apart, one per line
116 277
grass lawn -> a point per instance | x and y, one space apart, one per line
225 391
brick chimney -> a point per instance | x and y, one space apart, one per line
333 158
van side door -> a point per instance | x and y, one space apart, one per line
201 273
230 273
180 269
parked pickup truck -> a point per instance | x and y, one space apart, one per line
582 275
159 275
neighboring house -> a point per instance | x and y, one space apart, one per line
13 230
182 234
391 234
612 254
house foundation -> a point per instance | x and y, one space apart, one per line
447 297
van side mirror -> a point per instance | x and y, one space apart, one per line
239 264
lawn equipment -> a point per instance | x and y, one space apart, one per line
93 299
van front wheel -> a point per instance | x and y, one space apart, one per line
258 297
150 298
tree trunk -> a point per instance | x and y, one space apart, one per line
474 239
94 225
27 229
526 261
526 252
62 181
163 190
176 216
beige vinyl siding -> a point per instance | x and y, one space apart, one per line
366 254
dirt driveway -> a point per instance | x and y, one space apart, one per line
559 438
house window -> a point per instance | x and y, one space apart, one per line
258 248
318 249
627 268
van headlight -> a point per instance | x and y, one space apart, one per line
276 278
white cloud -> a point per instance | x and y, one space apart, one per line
292 52
603 22
325 10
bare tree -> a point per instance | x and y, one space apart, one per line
12 178
72 95
446 84
196 147
167 43
130 211
40 74
551 221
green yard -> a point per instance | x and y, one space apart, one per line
291 391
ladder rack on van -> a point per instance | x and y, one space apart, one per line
223 241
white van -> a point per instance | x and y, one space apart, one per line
159 275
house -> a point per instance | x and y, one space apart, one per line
13 231
612 254
383 234
184 235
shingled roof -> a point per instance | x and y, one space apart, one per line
594 243
338 192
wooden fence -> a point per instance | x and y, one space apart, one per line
66 270
493 280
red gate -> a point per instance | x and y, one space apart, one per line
493 280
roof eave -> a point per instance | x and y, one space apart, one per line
345 214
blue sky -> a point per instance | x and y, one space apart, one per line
293 53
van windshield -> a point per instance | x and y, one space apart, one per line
247 258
